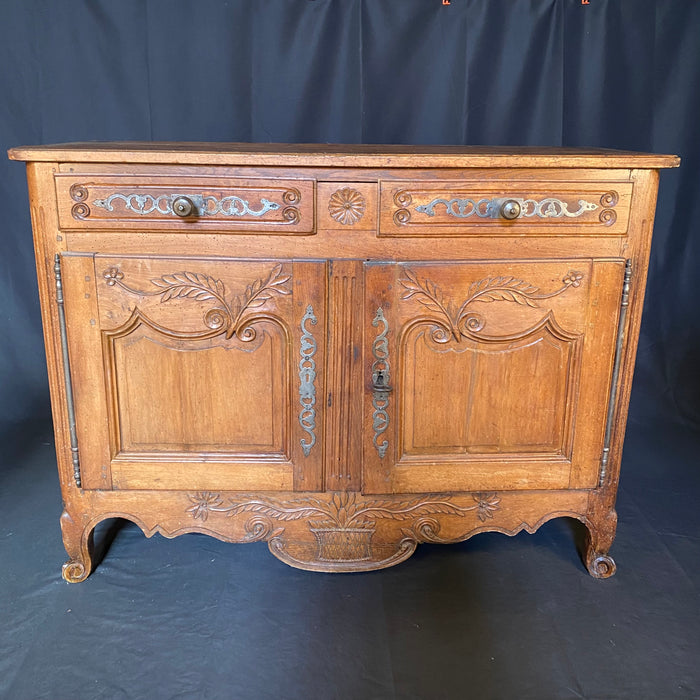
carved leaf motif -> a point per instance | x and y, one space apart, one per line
507 295
410 509
275 510
259 292
427 293
511 282
489 289
189 284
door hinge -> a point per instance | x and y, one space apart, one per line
66 371
612 400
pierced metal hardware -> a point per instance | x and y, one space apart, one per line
66 371
381 387
547 208
183 207
307 376
201 205
612 401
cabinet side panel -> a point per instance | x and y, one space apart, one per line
48 241
638 249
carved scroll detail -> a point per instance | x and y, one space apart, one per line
307 377
343 525
79 194
225 316
380 383
455 323
608 215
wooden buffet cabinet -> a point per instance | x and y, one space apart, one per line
341 350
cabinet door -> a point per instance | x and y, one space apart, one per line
488 375
196 373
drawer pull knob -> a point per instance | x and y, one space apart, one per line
510 209
183 207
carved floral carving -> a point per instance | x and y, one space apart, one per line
343 525
227 315
346 206
457 322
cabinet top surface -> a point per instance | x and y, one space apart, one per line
338 155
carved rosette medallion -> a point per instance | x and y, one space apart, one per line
346 206
307 377
229 315
343 523
454 323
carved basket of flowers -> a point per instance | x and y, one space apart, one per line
343 543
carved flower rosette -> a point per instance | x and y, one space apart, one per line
342 523
346 206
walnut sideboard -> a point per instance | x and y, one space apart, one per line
344 351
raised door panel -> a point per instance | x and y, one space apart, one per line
489 375
197 374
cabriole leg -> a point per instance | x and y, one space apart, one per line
78 541
599 539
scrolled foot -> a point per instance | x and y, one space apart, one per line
78 541
74 571
601 523
600 565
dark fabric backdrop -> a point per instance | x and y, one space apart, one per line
613 73
493 618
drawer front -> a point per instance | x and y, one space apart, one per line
510 208
186 204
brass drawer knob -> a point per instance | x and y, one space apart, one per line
184 207
510 209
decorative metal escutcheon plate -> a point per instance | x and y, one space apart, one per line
208 205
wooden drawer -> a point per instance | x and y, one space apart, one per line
230 205
410 208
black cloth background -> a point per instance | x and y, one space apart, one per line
611 73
